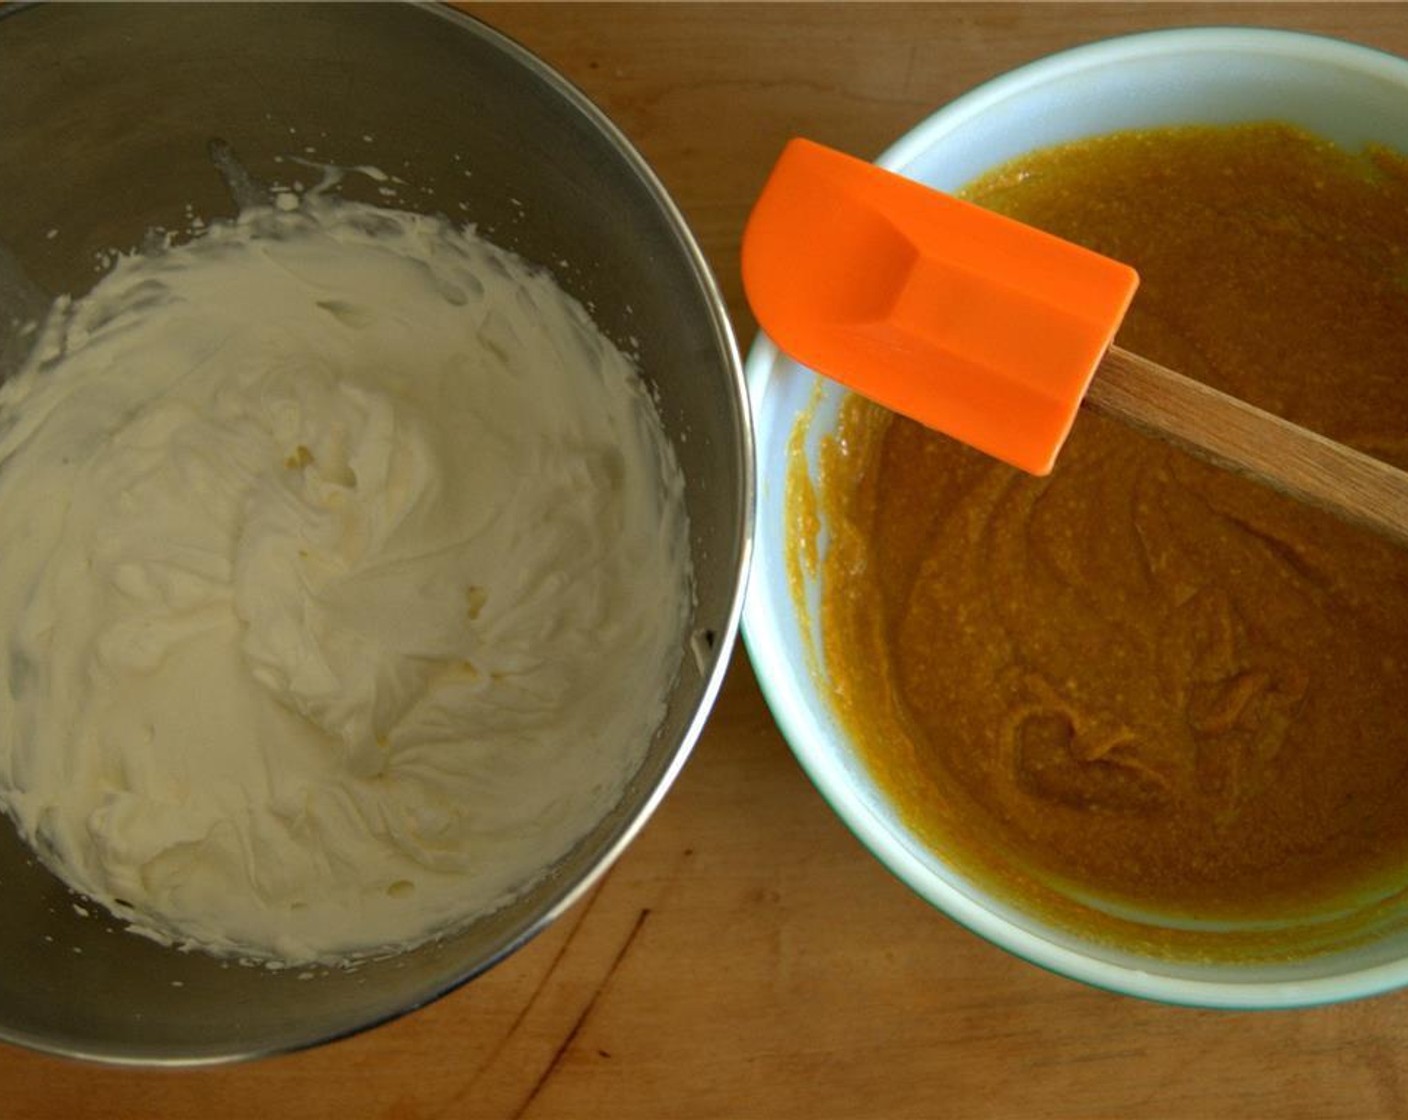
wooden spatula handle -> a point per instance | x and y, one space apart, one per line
1249 441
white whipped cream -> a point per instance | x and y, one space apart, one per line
345 576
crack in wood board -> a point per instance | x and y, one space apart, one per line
571 1036
528 1004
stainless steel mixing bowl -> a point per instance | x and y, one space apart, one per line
104 124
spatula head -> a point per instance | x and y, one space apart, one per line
969 322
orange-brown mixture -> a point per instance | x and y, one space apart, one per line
1144 677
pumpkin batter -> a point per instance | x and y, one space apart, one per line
1143 680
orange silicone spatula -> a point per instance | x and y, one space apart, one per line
993 332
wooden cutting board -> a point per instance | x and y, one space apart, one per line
747 958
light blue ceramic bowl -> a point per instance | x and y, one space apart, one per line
1348 93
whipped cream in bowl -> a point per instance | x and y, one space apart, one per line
349 573
368 574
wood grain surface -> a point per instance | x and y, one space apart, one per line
747 958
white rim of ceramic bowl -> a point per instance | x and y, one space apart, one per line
794 714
